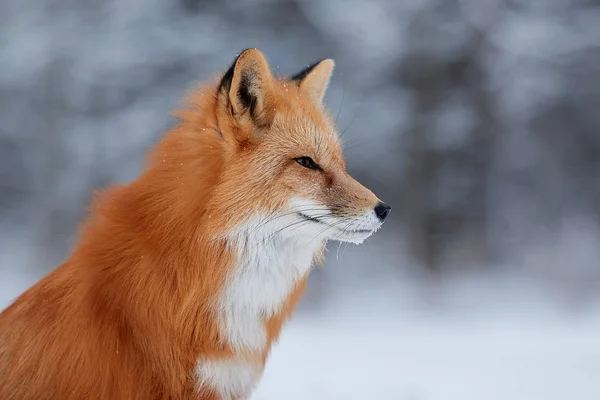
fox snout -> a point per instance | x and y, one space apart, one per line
382 210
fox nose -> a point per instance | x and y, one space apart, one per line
382 210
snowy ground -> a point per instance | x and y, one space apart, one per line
486 337
434 359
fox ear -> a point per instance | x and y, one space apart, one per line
247 86
314 80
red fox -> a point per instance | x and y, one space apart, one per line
181 280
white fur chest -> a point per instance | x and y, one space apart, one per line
230 379
270 264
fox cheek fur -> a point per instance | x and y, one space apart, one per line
182 279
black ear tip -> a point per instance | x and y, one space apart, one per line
241 53
304 73
225 83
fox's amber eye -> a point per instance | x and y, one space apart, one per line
307 162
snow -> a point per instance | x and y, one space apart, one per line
471 336
512 358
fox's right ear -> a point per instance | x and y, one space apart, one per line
314 80
246 88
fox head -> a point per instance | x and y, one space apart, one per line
280 163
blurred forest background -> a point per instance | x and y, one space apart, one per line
477 120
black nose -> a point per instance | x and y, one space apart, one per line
382 210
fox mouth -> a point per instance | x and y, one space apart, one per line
347 231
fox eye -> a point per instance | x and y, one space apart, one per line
307 162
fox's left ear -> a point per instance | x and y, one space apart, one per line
314 80
247 88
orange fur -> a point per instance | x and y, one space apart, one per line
129 314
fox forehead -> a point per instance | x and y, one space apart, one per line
305 129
